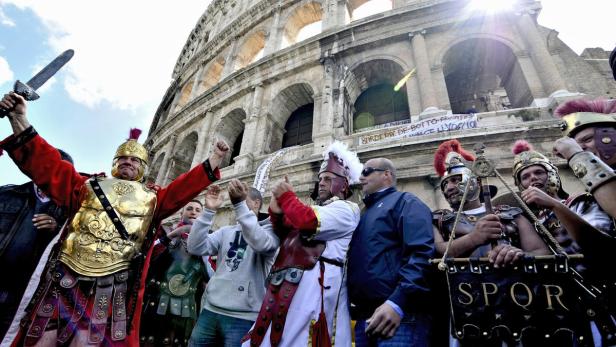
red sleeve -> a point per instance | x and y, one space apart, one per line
183 189
297 213
42 163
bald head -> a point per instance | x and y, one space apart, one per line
381 174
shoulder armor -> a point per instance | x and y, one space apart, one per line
572 200
443 215
507 212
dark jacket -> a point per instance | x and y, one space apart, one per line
21 244
389 253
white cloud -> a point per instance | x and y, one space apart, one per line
125 51
6 74
5 20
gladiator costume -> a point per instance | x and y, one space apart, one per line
449 161
173 284
93 279
525 156
306 300
593 171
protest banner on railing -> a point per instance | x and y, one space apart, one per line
452 122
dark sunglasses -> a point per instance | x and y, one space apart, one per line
367 171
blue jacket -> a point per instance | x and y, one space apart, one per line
389 253
21 244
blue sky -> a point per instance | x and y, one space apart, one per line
125 52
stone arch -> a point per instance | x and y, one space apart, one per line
287 106
211 75
358 9
251 49
483 74
183 156
440 53
369 86
155 168
184 96
303 21
231 129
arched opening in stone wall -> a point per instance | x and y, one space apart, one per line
231 129
155 168
237 146
364 8
298 129
184 95
380 104
182 159
484 75
212 74
304 22
371 86
251 50
291 108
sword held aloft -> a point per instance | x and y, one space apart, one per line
28 90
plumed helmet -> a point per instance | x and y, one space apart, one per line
131 148
579 114
450 160
525 156
340 161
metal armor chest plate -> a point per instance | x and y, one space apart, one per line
444 220
93 246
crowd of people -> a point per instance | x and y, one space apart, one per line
92 265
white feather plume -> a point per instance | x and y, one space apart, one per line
349 158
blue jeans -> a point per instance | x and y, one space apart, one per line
217 330
414 331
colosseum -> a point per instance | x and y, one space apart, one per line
389 78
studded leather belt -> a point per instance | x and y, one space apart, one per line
67 300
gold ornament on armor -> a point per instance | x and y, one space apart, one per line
123 188
93 246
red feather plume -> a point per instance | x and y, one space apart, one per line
444 149
582 105
521 146
134 134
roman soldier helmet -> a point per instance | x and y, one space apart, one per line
450 160
580 114
131 148
343 163
525 156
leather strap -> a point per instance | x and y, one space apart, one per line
273 311
209 171
118 323
100 195
100 309
44 313
331 261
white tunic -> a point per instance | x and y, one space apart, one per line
337 221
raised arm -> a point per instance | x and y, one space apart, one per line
188 185
259 237
43 164
200 241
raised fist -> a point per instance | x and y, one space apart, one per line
220 150
566 147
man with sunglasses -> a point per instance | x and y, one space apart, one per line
388 262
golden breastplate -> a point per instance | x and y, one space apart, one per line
93 246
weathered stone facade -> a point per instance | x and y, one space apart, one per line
244 73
